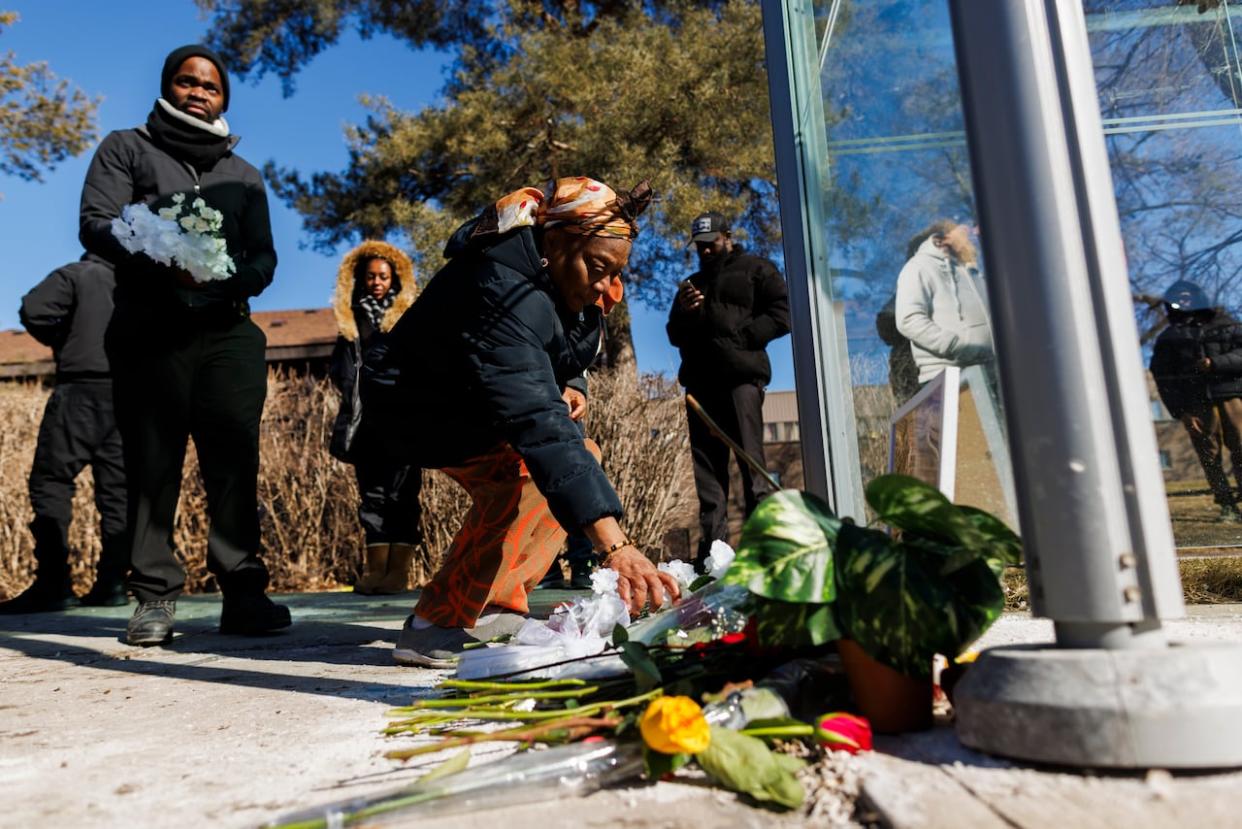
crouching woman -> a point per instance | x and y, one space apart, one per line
482 362
374 287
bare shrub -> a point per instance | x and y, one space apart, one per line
308 500
641 429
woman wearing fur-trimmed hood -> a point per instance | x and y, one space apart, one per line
375 285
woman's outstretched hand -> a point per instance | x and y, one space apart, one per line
639 582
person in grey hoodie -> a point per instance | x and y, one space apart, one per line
940 306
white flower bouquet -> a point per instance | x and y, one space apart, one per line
182 235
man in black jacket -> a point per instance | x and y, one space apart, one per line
722 321
70 311
1197 366
189 360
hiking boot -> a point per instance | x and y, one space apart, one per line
374 568
40 597
397 577
1229 515
151 624
580 571
437 647
252 614
106 592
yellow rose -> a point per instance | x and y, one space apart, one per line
675 725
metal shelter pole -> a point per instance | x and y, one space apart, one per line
1095 523
825 399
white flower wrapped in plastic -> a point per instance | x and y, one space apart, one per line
181 235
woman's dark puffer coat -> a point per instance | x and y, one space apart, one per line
482 360
358 343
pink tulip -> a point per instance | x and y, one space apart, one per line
839 731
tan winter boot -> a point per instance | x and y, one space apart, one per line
400 557
374 569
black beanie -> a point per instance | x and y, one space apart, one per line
179 56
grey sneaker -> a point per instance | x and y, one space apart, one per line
437 647
151 624
1229 515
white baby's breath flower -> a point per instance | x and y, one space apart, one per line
178 198
198 204
604 581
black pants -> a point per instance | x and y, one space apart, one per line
199 375
739 412
389 509
78 430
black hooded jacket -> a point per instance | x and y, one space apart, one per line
482 359
70 311
1189 338
723 341
131 167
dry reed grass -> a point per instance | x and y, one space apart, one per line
308 500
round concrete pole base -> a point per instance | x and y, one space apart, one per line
1178 707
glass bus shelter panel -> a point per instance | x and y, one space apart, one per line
906 273
1170 89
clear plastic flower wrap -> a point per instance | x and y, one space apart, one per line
709 613
540 649
546 776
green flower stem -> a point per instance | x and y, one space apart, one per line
780 731
518 696
547 720
473 685
566 728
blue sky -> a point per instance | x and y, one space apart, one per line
115 50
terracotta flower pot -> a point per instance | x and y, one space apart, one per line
892 701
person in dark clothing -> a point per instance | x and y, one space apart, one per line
723 318
375 286
189 361
484 358
69 311
1197 365
903 372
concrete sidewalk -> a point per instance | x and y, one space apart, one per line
229 731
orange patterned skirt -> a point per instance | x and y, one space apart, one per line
504 547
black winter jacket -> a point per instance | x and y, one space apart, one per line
483 357
70 311
745 307
1188 339
130 167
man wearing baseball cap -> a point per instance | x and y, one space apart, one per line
723 318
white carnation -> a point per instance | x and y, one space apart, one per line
680 570
604 581
161 238
719 557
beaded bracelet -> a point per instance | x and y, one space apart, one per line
603 554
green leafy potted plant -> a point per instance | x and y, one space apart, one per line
893 601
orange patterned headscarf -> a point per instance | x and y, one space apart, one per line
576 205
